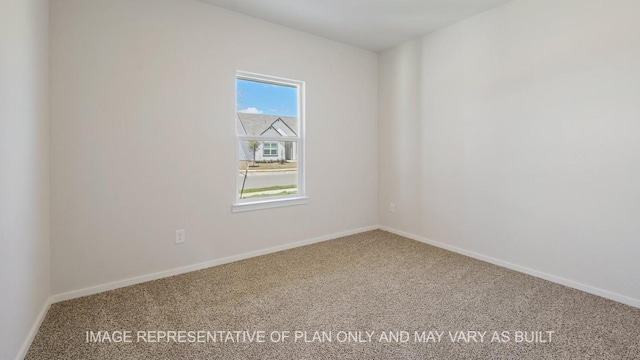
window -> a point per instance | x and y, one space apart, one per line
270 142
270 149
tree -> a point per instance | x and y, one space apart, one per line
254 146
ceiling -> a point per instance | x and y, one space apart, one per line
370 24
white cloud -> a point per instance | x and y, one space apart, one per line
251 110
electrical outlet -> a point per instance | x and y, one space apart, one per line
392 208
181 236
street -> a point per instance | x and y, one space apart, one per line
266 179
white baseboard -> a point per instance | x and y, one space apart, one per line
177 271
34 330
207 264
539 274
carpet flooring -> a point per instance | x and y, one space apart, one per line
373 295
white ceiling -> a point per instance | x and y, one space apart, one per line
370 24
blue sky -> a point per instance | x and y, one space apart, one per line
261 98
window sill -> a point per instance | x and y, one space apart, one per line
268 204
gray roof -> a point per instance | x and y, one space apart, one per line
256 124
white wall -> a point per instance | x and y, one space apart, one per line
516 135
143 101
24 170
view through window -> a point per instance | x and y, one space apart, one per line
269 132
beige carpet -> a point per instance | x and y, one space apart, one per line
373 282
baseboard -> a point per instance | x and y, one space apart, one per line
207 264
34 330
177 271
539 274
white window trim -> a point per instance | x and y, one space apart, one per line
301 197
269 204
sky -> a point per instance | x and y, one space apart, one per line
269 99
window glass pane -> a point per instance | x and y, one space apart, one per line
267 169
266 109
270 149
269 126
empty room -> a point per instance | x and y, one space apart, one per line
305 179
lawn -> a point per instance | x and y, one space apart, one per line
278 187
267 195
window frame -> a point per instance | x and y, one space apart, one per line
300 198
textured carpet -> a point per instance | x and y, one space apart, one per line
389 286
